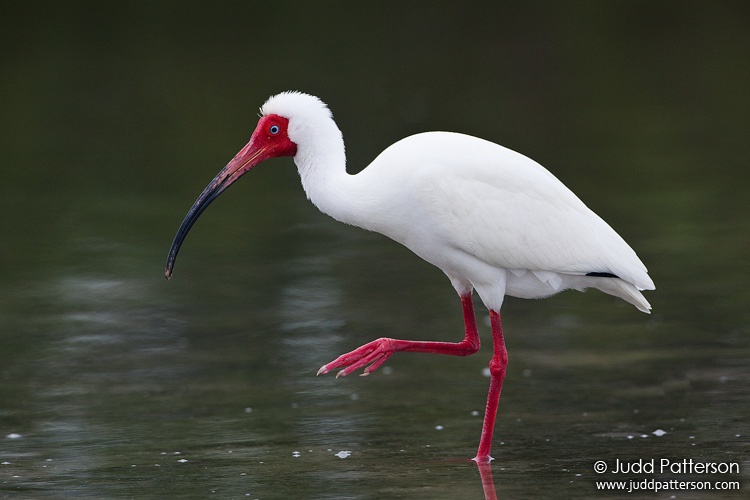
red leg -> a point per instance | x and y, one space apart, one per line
378 351
498 364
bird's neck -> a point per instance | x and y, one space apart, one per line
322 169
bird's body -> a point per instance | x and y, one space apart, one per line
491 219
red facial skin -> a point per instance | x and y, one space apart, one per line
269 140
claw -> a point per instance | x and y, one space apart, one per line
369 356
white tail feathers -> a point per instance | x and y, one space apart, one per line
624 290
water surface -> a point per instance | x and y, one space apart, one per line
117 384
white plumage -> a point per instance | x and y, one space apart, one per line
490 218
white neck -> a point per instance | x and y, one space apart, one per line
321 161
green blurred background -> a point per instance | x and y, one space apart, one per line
113 117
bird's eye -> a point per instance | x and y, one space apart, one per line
273 129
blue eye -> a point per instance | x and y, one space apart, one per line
273 129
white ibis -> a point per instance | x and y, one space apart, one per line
491 219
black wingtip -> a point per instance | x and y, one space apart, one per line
602 275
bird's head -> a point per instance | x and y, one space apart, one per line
287 119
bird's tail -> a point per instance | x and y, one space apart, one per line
624 290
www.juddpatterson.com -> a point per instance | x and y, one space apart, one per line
665 466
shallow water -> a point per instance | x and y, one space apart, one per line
115 383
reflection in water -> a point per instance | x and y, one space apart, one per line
100 314
488 484
308 310
310 313
107 349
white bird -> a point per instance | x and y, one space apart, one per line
491 219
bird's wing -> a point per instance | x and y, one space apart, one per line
510 212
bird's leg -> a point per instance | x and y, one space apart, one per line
498 364
378 351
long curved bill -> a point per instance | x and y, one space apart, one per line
242 163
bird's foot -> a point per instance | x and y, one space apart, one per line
374 354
